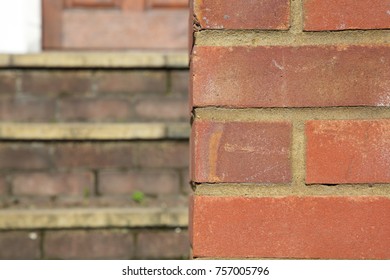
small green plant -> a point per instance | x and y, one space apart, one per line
138 196
86 193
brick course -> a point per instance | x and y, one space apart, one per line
298 227
284 76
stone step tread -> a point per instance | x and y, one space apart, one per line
17 219
96 60
93 131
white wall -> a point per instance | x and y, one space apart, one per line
20 26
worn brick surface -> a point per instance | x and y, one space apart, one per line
24 156
23 110
147 181
163 245
346 14
231 14
164 154
241 152
162 109
94 244
19 245
291 227
93 109
348 151
291 76
7 82
51 184
56 82
132 81
94 155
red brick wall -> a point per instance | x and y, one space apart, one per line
290 151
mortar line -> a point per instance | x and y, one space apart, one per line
298 154
283 114
254 190
288 38
296 14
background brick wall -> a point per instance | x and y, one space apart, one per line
290 155
82 172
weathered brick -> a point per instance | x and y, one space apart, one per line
348 151
291 227
346 14
132 81
179 82
96 244
172 244
93 110
27 110
19 245
7 82
282 76
24 156
232 14
94 155
241 151
162 109
51 184
174 154
56 82
148 181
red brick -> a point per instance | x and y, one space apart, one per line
241 152
56 82
7 82
232 14
93 110
24 156
348 151
291 227
179 82
148 181
164 154
282 76
163 245
94 155
78 244
19 245
126 29
27 110
51 184
162 109
346 14
132 82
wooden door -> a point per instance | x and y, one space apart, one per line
115 24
